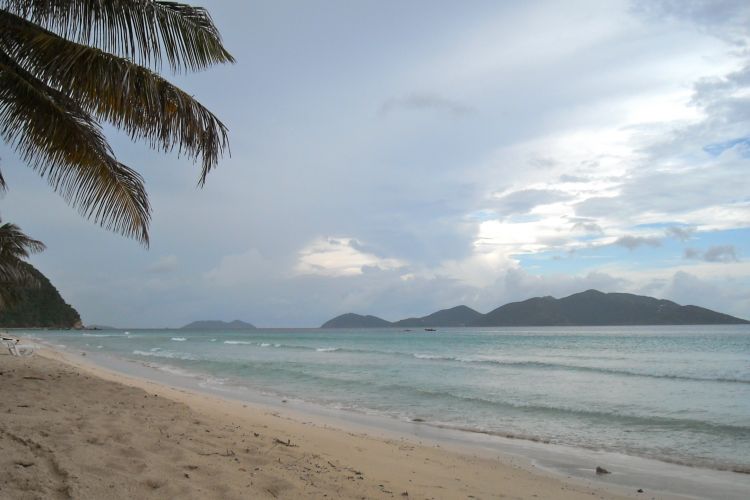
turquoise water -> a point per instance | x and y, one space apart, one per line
677 394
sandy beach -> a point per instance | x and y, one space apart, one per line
73 430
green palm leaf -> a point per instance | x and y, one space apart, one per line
65 63
15 246
143 30
129 96
56 137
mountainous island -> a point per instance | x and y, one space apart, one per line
349 319
39 307
218 325
589 308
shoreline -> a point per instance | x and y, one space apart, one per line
570 466
79 430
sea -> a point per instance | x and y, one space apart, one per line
676 394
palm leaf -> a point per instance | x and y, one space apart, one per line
15 245
129 96
143 30
56 137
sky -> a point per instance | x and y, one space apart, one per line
396 158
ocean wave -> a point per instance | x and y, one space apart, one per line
432 356
179 339
167 354
520 364
581 368
101 335
614 419
606 417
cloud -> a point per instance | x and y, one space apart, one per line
720 294
165 264
693 253
525 200
586 225
718 253
721 253
632 242
682 233
340 257
425 102
247 269
727 19
572 178
644 129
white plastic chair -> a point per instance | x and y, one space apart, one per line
15 348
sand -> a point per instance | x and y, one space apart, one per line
69 429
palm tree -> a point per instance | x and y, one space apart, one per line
66 65
14 272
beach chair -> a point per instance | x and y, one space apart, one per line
15 348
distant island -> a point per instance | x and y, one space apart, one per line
218 325
589 308
39 306
351 320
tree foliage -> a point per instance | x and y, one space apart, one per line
68 65
37 306
15 274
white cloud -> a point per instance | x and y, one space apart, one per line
340 257
580 125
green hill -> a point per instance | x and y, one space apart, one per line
39 307
594 308
455 316
589 308
351 320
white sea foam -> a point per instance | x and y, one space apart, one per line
179 339
427 356
265 345
238 342
327 349
171 369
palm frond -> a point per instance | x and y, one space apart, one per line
14 242
143 30
15 245
129 96
56 137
